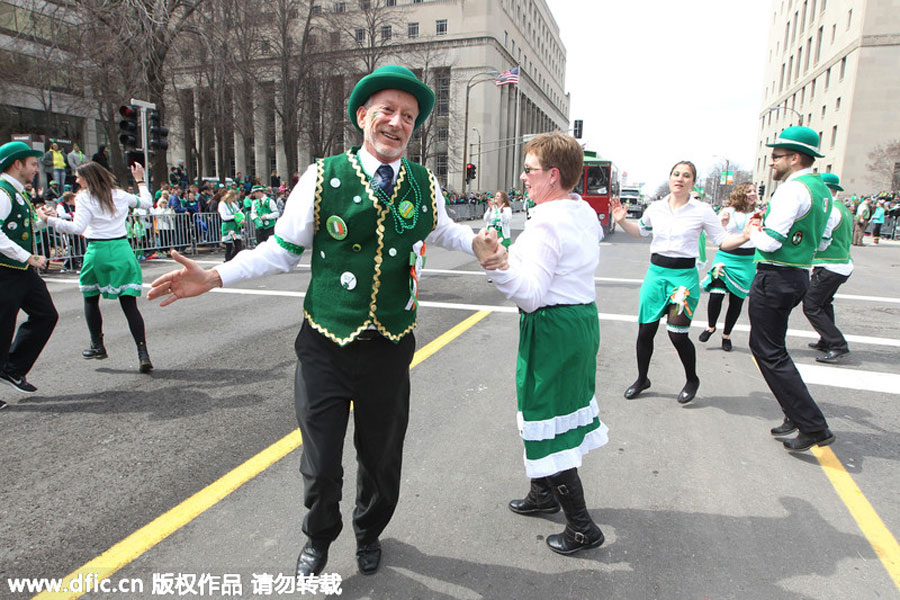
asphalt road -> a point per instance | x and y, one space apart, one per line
696 501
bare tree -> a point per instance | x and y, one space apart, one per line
369 27
884 161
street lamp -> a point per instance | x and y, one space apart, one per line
777 108
475 129
469 85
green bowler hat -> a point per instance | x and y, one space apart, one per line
799 139
832 181
391 77
13 151
257 188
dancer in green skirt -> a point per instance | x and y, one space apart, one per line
110 267
550 276
732 271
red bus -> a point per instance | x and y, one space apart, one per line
599 182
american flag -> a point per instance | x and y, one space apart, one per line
508 77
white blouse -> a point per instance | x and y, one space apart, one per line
736 223
553 260
677 233
96 223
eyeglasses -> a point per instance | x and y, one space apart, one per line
777 156
528 170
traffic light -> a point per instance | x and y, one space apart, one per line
128 126
579 128
470 172
158 133
762 190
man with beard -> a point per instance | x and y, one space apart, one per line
795 226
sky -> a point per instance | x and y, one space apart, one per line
657 81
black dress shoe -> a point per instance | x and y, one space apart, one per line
311 560
368 557
787 427
726 344
705 334
820 345
636 388
688 392
805 441
831 356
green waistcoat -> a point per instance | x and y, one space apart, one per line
839 250
363 248
262 207
18 224
800 243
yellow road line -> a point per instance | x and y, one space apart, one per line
168 523
871 525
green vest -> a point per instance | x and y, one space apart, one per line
18 225
800 243
364 246
841 236
262 208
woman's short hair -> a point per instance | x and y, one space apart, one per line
739 199
688 163
560 151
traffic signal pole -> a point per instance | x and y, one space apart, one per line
145 140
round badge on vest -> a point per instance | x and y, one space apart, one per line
797 238
392 252
12 225
335 182
336 227
406 209
20 200
357 199
348 280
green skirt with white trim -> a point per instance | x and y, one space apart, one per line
555 381
736 272
110 268
664 286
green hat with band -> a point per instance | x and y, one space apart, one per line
257 188
13 151
391 77
799 139
832 181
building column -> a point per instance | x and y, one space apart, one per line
240 155
280 155
260 145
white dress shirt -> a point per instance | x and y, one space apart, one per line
298 226
676 233
95 222
553 260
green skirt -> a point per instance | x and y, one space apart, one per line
230 231
663 286
110 268
736 272
555 378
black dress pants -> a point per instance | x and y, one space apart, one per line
24 290
775 292
374 375
819 308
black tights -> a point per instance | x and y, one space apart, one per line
714 307
129 307
681 341
232 248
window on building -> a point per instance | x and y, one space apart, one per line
781 82
317 9
390 2
843 68
385 33
360 35
796 22
443 134
828 168
441 166
822 8
440 27
790 71
787 34
808 52
365 4
412 30
505 38
833 136
849 18
827 78
818 44
417 1
799 60
823 112
334 37
812 89
837 104
340 7
443 95
802 96
833 32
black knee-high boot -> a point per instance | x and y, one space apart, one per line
539 499
581 532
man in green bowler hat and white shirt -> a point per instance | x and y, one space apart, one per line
795 226
831 269
263 212
21 287
367 216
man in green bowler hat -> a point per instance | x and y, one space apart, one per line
831 269
796 225
367 216
263 212
21 287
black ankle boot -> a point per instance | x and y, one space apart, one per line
144 357
96 350
539 500
581 532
